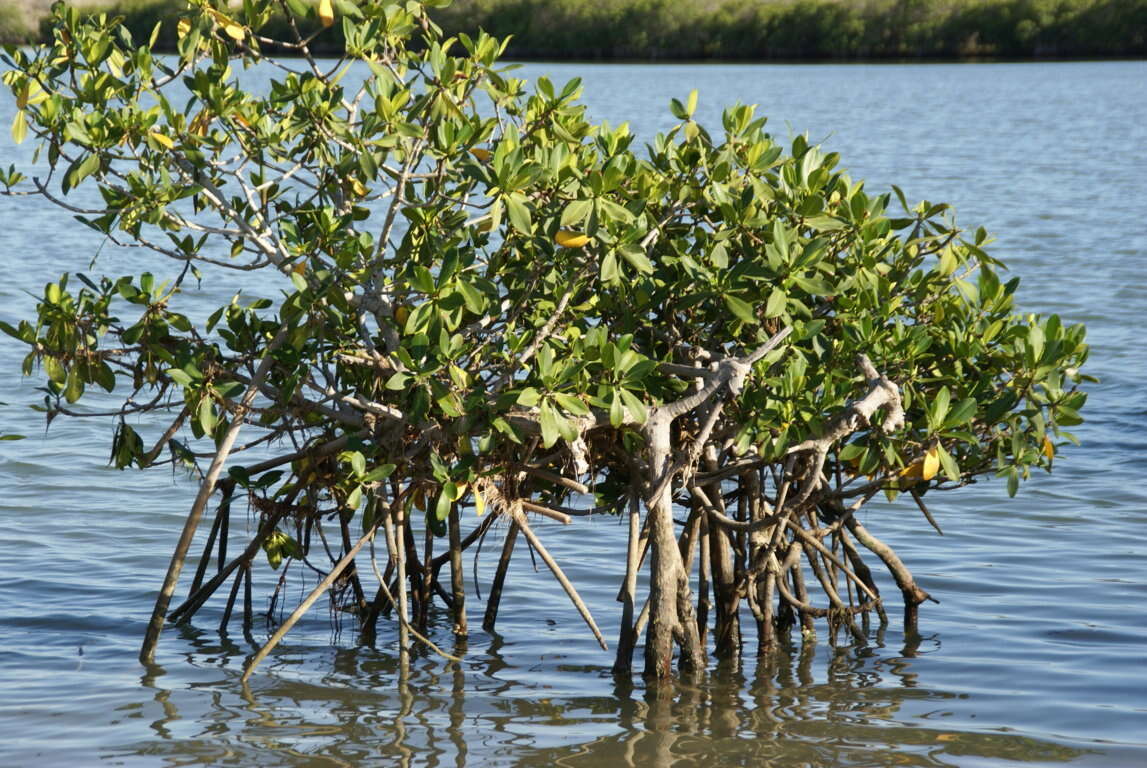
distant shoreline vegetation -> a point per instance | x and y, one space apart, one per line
751 30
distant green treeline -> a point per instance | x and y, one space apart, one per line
808 29
763 29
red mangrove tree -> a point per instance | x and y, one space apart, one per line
473 305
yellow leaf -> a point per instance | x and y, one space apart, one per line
479 503
1048 447
115 63
161 139
401 314
931 463
235 32
33 94
486 224
569 239
299 268
183 27
912 470
19 127
200 122
483 155
358 188
326 13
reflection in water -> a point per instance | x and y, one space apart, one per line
803 706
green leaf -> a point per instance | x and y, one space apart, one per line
357 462
781 237
613 211
397 381
475 300
55 370
507 429
571 404
206 416
228 390
567 428
776 304
75 388
519 213
616 410
813 286
635 255
548 421
812 328
368 518
634 406
267 479
938 410
442 508
740 308
1036 342
948 462
575 213
179 376
354 499
1013 481
80 170
378 474
450 404
609 273
959 415
11 330
347 8
1067 417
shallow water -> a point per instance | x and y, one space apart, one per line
1036 653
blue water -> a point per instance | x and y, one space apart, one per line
1037 652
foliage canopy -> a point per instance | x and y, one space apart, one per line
476 299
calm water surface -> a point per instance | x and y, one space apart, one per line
1037 654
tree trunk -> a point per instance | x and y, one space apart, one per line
458 589
669 592
491 616
627 635
911 591
665 560
727 627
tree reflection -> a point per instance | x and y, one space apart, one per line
804 705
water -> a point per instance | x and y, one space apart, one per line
1036 654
